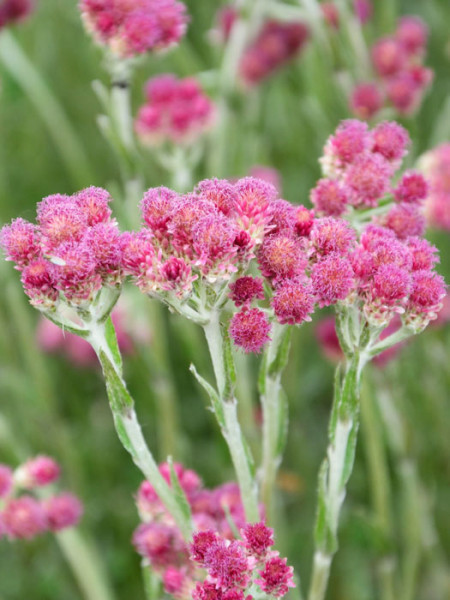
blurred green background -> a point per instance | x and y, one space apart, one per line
49 406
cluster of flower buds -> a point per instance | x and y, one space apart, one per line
363 11
22 514
12 11
217 515
176 111
398 64
70 254
131 28
276 44
436 166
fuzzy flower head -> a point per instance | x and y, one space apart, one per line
13 11
245 289
350 139
6 480
330 197
368 179
276 578
390 140
63 511
405 220
177 111
250 329
412 187
219 192
227 564
293 302
38 472
281 257
20 242
23 518
258 538
330 235
366 100
132 28
332 279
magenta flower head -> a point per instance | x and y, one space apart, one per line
6 480
281 257
61 220
227 564
330 235
424 255
219 192
38 472
390 140
284 217
245 289
276 578
425 300
132 28
20 242
330 197
332 279
391 283
156 208
368 179
201 544
350 139
249 329
293 302
405 220
23 518
39 284
304 220
258 538
94 204
366 100
63 511
435 164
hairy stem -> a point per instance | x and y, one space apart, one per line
274 411
229 423
102 339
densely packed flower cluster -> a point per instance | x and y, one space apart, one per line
398 63
12 11
71 253
22 514
232 564
194 250
176 110
275 45
136 27
436 166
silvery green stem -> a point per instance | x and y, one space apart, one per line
274 409
103 340
335 471
226 413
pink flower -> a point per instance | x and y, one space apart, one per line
227 564
405 220
412 33
23 518
40 471
388 56
245 289
130 28
276 578
304 221
330 197
390 140
258 538
390 284
330 235
20 242
293 302
12 11
350 139
366 100
412 187
281 257
201 544
250 329
39 283
94 203
219 192
6 480
160 543
284 217
332 279
368 179
424 254
63 511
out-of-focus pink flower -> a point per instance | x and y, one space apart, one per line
136 27
268 174
366 100
274 46
6 480
39 471
177 111
23 518
12 11
63 510
435 164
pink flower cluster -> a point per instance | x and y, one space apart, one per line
436 166
233 566
176 110
12 11
276 44
129 28
158 539
363 10
22 515
71 253
398 64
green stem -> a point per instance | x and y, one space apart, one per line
274 411
335 472
231 429
86 567
127 426
50 110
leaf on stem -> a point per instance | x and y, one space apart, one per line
216 405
